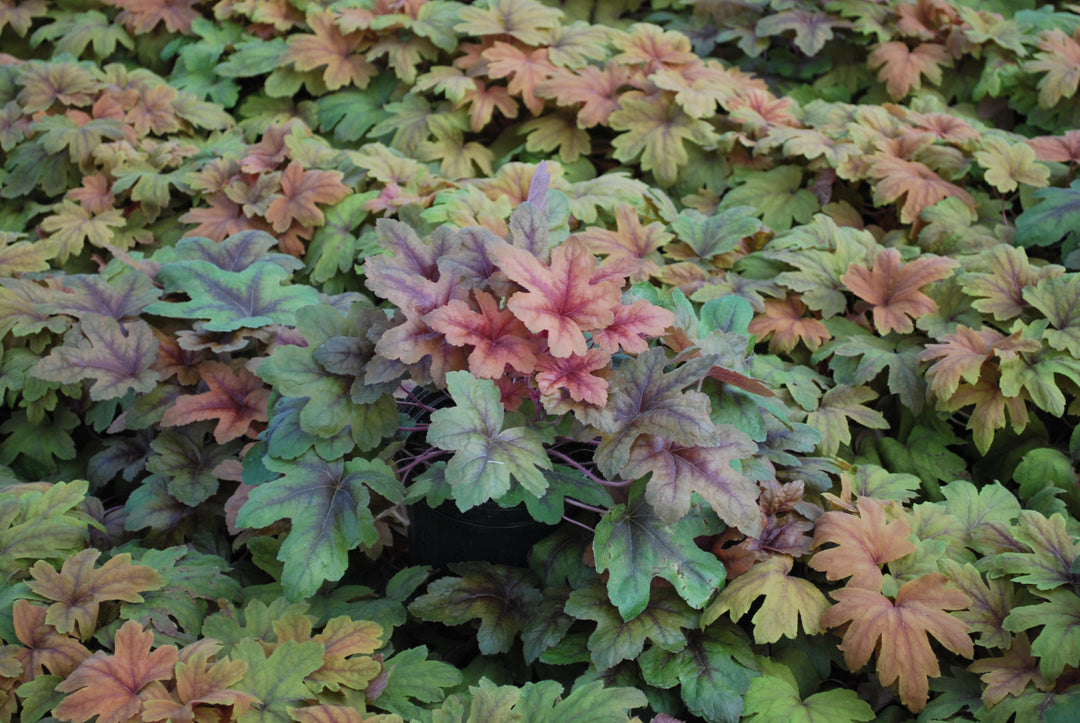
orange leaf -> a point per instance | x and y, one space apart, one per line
863 544
631 240
142 16
902 69
483 100
1063 149
79 589
597 90
784 325
497 336
345 65
633 324
200 683
900 631
108 686
893 288
526 71
1010 673
236 399
574 375
61 654
300 192
919 185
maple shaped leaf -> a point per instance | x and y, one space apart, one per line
79 588
346 660
1054 217
899 630
999 290
71 226
678 472
777 195
961 356
276 678
236 399
615 639
200 683
573 376
902 69
1059 301
109 686
557 131
644 399
526 70
116 356
920 186
498 338
785 325
483 100
863 544
1052 551
529 21
45 647
1063 149
630 240
502 598
1009 674
657 130
41 522
634 545
991 602
990 409
812 29
596 90
230 300
1008 165
122 298
632 325
328 505
563 298
18 256
485 454
301 191
893 287
835 408
787 599
775 696
1058 57
340 53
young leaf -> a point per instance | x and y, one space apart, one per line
1010 673
902 69
1007 165
497 336
892 288
920 186
630 240
200 684
900 632
787 599
300 192
341 54
108 686
502 598
328 505
863 544
79 588
45 648
634 545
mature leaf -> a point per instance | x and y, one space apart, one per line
657 130
787 599
1058 645
634 545
1007 165
1058 298
863 544
200 684
236 399
276 680
71 226
777 194
991 602
543 702
1009 674
108 686
229 300
679 472
502 597
186 464
644 399
498 338
328 505
44 647
40 523
785 325
920 186
597 90
485 454
79 588
1058 58
117 356
1050 562
892 288
630 240
902 69
526 20
341 54
838 405
410 675
1053 218
776 698
900 632
301 191
713 671
1000 289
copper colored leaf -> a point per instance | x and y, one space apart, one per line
900 632
1009 674
301 194
864 543
630 239
573 376
109 686
920 186
902 69
597 90
632 326
526 69
785 324
45 647
563 299
1059 59
236 399
498 338
1063 149
339 53
893 287
115 356
200 684
80 588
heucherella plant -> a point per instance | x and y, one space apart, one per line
763 311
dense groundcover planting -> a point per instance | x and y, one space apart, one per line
764 313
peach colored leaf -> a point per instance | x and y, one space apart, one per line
109 686
236 399
80 588
497 336
526 70
142 16
893 287
300 192
864 543
526 20
959 357
340 53
1063 149
483 100
990 407
1010 673
45 647
597 90
573 375
785 325
1059 58
902 68
632 325
653 47
326 714
200 683
899 631
631 240
562 299
916 182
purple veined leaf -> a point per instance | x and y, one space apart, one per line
84 295
235 252
538 187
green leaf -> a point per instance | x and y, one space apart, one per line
42 443
186 463
411 676
1059 301
276 680
837 406
860 356
328 505
773 699
634 545
548 624
1058 644
713 671
502 597
40 524
229 300
615 639
1044 466
543 702
1052 551
485 455
709 236
777 195
1047 222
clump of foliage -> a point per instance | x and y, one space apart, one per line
766 309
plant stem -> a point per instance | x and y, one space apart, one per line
585 471
583 506
425 457
579 524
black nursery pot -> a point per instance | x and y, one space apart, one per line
489 533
